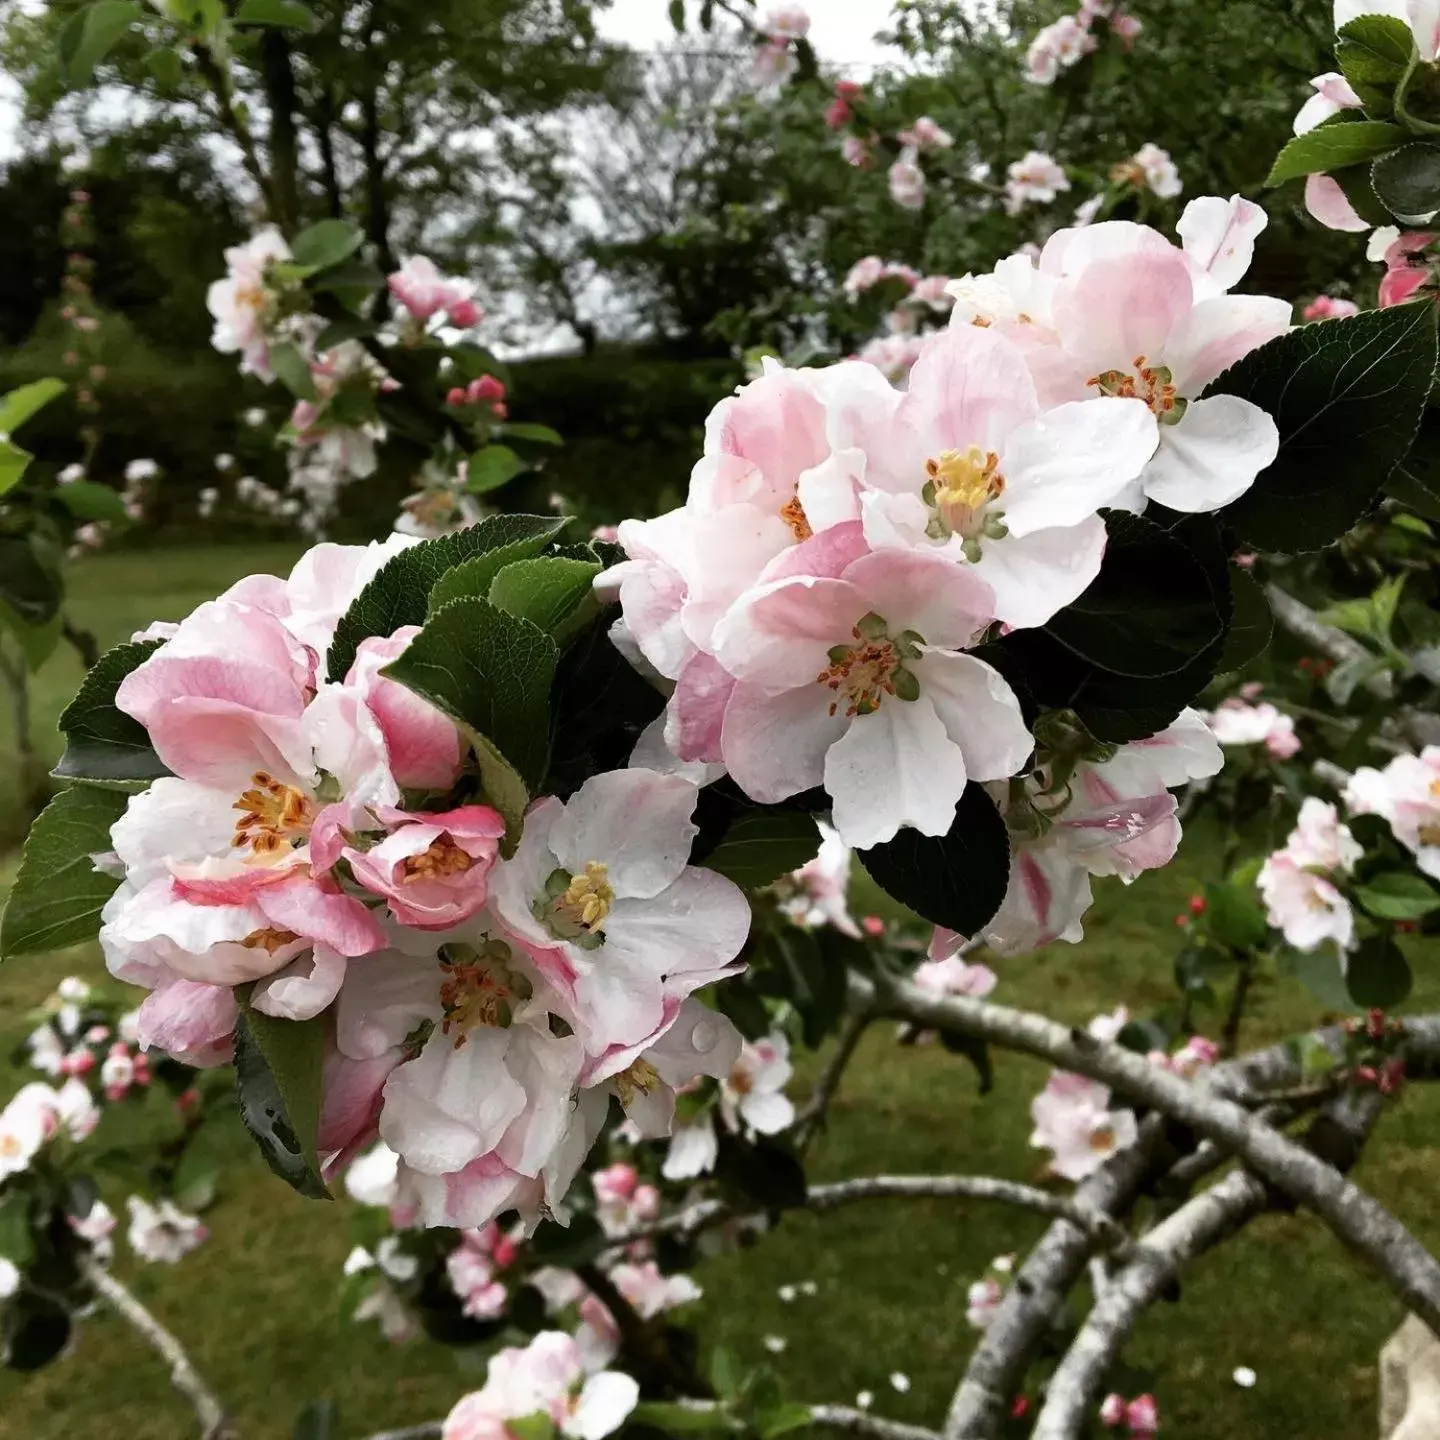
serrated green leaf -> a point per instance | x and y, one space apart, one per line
1347 397
1407 181
89 500
492 672
1398 895
1332 147
492 467
1376 53
399 594
1252 623
103 745
762 846
19 405
91 35
553 592
278 1079
58 894
288 13
326 243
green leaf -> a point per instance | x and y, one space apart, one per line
1378 974
759 1172
58 894
104 745
1408 180
538 434
31 581
677 16
277 1076
339 331
569 1245
492 467
553 592
956 880
19 405
1376 53
37 642
977 1052
326 243
1354 180
399 594
490 671
91 35
1347 397
1320 972
14 462
88 500
289 13
36 1331
1398 895
1252 625
1332 147
293 371
674 1419
1234 916
764 845
791 1415
1148 612
538 1426
17 1242
167 67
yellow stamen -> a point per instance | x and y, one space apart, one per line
792 512
269 939
586 901
444 857
640 1077
274 816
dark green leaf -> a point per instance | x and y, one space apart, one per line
956 880
31 580
977 1052
293 371
1149 612
677 15
37 642
167 67
1347 397
791 1415
1320 972
763 845
1234 915
14 462
19 405
37 1330
492 672
17 1242
1375 54
554 592
1332 147
326 243
1354 180
289 13
87 500
790 965
1408 180
1378 974
1251 626
58 894
759 1172
492 467
400 593
103 745
1398 895
277 1075
91 35
538 434
569 1245
339 331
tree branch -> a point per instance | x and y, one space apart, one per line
186 1379
219 83
1300 620
862 1422
1407 1266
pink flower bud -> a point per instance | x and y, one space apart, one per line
873 926
837 114
1112 1411
456 397
1143 1415
465 314
487 387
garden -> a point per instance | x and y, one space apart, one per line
701 738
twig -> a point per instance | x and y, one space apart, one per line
812 1118
183 1375
862 1422
1359 1219
219 83
1230 1031
1300 620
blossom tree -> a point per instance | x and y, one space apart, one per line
489 860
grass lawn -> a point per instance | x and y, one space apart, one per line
258 1304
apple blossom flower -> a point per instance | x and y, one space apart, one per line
693 1150
1057 47
858 151
1142 1415
546 1377
162 1233
852 674
907 182
245 304
752 1095
1073 1119
1234 722
944 974
1244 1377
892 355
370 1179
820 886
29 1119
925 134
773 64
1125 27
1407 268
622 1200
1406 794
1112 1410
1300 898
784 20
1034 179
1329 307
650 1292
1115 309
420 287
471 1269
96 1227
1328 203
1333 93
1151 166
863 275
601 882
141 470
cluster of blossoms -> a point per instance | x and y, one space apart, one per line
81 355
845 544
1238 722
1150 168
319 843
778 31
1406 795
1073 1115
1297 883
907 176
256 495
1138 1417
1066 42
1034 179
427 295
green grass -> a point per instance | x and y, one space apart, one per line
258 1304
